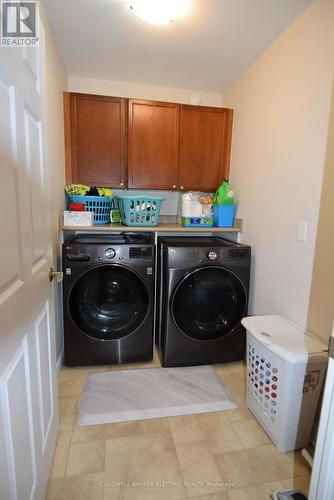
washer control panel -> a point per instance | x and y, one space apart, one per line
84 250
124 253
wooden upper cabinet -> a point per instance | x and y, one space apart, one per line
205 144
153 144
95 139
118 142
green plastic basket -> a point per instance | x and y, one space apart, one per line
139 210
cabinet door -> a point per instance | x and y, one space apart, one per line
95 139
153 144
205 143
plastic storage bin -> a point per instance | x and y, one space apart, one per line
223 215
100 205
139 210
286 369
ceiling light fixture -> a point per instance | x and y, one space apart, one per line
159 11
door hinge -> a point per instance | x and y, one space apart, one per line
331 348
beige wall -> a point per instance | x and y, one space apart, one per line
140 91
321 308
280 129
282 104
56 83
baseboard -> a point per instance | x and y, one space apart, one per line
60 362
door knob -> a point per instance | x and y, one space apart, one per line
121 184
174 186
181 187
55 274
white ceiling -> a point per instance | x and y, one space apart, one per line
206 50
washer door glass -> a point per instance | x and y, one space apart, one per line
109 302
208 303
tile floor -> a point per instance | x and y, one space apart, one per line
214 456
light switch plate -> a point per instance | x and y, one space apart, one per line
302 231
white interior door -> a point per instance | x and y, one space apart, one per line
322 481
28 418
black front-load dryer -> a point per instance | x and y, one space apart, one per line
108 299
202 296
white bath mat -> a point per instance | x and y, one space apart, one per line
124 395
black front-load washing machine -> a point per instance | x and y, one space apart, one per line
202 296
108 295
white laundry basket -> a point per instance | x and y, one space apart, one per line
286 368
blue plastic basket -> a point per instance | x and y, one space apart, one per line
139 210
223 215
100 205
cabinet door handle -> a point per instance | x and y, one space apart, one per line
121 184
174 186
181 187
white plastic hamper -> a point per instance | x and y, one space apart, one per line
286 368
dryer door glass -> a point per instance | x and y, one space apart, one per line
208 303
109 302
